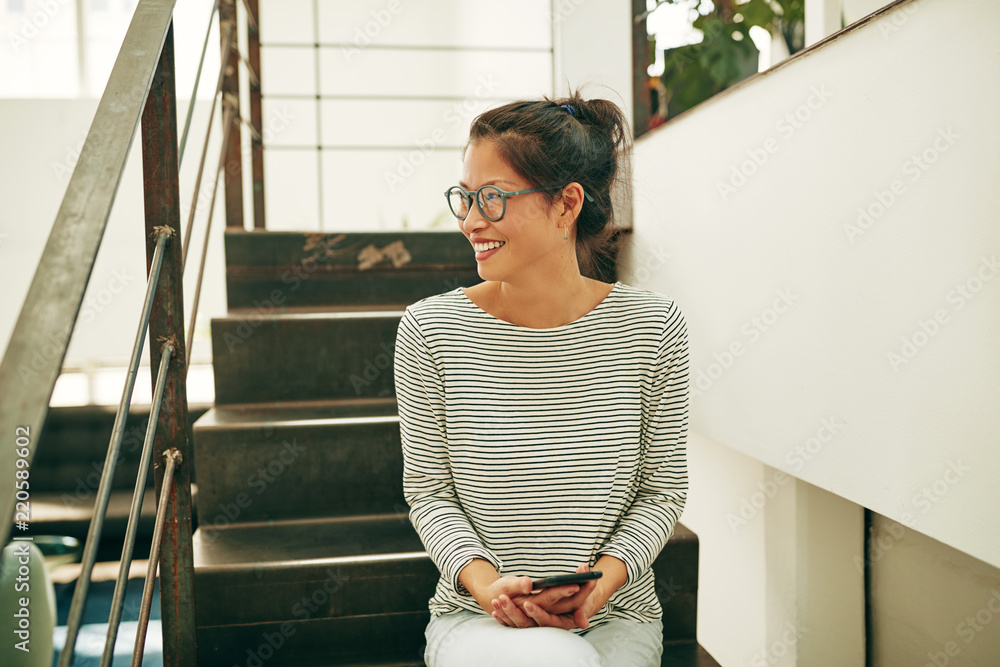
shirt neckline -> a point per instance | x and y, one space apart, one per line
614 288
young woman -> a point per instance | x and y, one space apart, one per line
543 413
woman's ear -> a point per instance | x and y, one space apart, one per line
571 201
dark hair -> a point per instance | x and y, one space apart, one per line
549 145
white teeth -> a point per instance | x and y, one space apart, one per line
483 247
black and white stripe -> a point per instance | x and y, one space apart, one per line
540 449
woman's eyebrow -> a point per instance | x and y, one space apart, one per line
493 182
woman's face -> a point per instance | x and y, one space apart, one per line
528 230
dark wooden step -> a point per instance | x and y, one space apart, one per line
675 654
296 269
303 357
73 446
381 639
256 573
351 577
686 654
69 514
298 460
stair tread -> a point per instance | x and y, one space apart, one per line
686 654
282 543
51 508
675 654
327 250
311 313
245 311
278 413
331 539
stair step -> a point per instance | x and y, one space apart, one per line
385 638
69 514
686 654
304 356
73 446
298 269
259 573
675 654
298 460
342 574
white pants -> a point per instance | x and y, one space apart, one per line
466 638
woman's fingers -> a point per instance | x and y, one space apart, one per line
550 596
562 603
574 601
544 618
510 614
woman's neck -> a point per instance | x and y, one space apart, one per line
544 305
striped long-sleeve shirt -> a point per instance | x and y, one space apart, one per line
541 449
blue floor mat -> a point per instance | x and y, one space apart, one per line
94 630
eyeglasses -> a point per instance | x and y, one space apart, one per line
491 200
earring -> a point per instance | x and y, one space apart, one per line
565 233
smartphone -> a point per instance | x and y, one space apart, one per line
563 579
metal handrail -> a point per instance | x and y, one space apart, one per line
107 474
227 44
140 90
226 122
53 302
173 458
118 599
197 80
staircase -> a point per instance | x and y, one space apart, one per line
304 553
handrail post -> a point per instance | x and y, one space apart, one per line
173 431
231 86
256 116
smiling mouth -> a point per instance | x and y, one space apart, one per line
483 247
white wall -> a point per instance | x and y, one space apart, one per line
41 144
806 313
949 618
798 310
39 139
593 49
400 81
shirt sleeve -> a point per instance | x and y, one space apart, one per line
428 487
649 521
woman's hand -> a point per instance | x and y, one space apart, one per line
564 611
498 598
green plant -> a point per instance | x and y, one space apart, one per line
726 55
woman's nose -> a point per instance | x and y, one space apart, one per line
474 221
